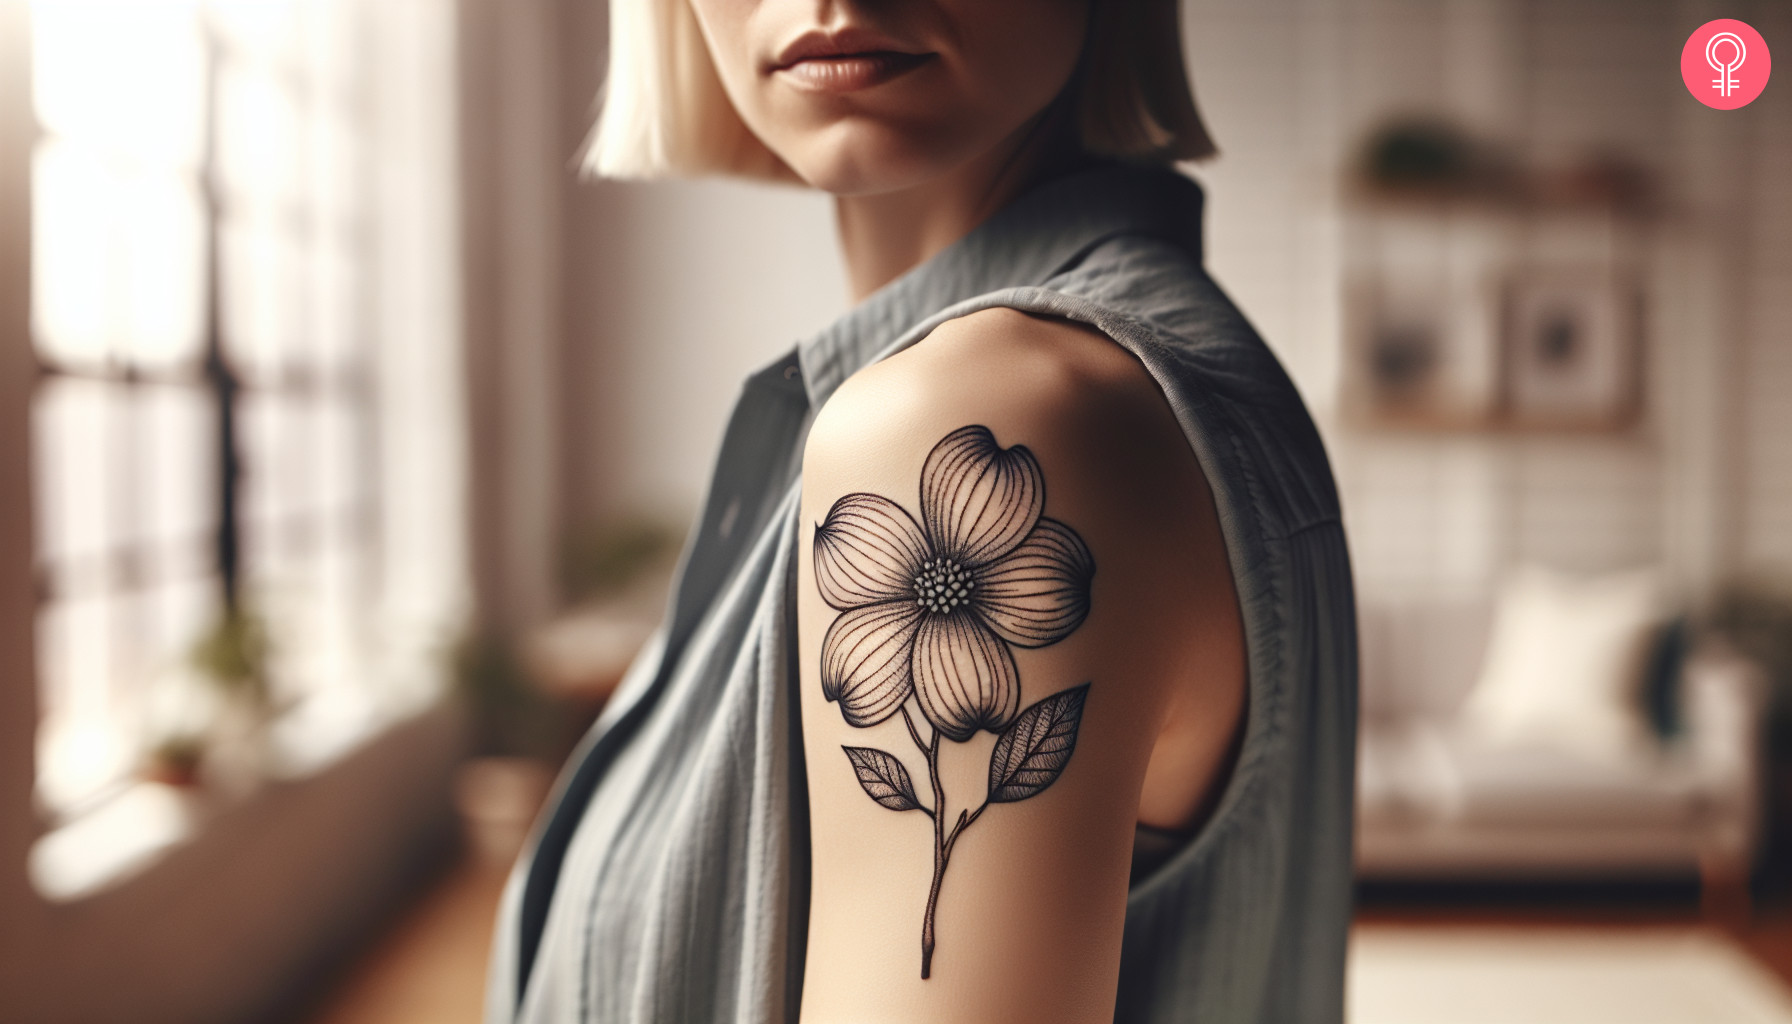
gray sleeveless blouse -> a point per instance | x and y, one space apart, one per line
669 880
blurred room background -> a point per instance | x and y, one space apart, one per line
347 440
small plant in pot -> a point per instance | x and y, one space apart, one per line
175 760
234 657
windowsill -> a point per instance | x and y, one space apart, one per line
145 821
235 920
113 841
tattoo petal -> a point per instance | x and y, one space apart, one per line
867 550
1038 593
979 500
866 660
964 676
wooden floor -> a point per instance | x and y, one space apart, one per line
1766 933
431 968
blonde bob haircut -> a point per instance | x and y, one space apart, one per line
665 115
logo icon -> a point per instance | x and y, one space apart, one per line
1725 64
1726 69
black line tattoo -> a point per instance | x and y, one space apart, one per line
928 613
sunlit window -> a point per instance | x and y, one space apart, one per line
203 421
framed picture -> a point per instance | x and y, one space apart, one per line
1422 358
1571 351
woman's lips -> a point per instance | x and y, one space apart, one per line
846 59
850 72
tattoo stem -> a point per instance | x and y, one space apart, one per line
939 849
913 733
964 822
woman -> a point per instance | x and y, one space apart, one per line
1009 674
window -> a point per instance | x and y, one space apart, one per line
206 420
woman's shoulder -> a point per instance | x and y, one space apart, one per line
1043 374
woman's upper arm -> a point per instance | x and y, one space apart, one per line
996 557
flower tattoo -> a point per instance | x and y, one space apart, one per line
929 611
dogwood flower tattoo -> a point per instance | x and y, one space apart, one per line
929 611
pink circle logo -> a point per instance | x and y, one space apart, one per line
1725 64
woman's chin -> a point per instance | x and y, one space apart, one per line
862 160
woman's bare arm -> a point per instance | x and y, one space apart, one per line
1011 588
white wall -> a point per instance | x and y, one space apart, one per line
1703 485
685 288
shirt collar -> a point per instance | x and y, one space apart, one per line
1036 237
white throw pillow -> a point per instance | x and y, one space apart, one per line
1564 665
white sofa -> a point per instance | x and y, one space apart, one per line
1434 802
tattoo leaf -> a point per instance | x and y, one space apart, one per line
1032 753
883 778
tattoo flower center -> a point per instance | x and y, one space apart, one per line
943 585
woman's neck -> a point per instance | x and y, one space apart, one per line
884 236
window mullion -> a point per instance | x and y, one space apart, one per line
220 379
